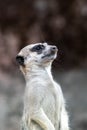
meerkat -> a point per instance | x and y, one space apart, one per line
44 104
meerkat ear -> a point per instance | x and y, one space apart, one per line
20 59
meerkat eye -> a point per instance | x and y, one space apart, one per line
38 48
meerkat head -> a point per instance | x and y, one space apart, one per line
39 54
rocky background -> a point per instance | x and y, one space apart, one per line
59 22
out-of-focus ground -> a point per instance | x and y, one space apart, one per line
58 22
74 86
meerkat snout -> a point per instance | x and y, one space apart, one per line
54 49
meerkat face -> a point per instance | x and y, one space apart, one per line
39 54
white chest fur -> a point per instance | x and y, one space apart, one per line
44 107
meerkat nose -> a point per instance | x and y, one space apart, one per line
54 48
20 59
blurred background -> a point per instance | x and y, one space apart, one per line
58 22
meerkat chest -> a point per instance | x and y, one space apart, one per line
45 90
46 95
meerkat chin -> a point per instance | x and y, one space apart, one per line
44 104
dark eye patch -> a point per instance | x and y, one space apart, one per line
38 48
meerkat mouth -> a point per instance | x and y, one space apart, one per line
52 53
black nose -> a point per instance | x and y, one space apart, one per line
20 60
54 48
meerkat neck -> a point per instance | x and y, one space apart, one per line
48 70
41 71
